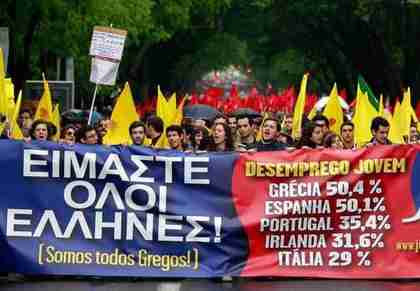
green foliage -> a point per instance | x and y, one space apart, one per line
287 67
218 52
174 42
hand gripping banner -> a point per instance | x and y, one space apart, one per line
131 211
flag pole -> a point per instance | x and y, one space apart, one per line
93 103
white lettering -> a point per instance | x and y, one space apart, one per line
28 162
189 170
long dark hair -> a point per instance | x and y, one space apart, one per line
229 146
305 140
205 142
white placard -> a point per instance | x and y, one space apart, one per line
104 72
107 42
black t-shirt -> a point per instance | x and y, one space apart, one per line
270 146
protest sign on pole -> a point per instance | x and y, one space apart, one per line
107 42
104 71
106 49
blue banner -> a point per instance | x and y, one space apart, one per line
117 211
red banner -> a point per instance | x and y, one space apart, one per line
336 214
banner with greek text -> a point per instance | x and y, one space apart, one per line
133 211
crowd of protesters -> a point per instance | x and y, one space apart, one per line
242 133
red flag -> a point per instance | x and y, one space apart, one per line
418 109
311 100
194 99
234 91
343 94
395 103
253 92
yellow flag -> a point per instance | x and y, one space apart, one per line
167 111
395 133
171 107
45 108
56 121
333 111
401 121
123 115
9 88
413 116
406 110
161 103
161 111
3 95
10 97
2 126
381 106
14 126
362 119
170 110
299 108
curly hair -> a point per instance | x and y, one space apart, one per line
51 129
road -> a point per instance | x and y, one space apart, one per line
207 285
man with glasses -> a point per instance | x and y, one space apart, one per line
68 134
